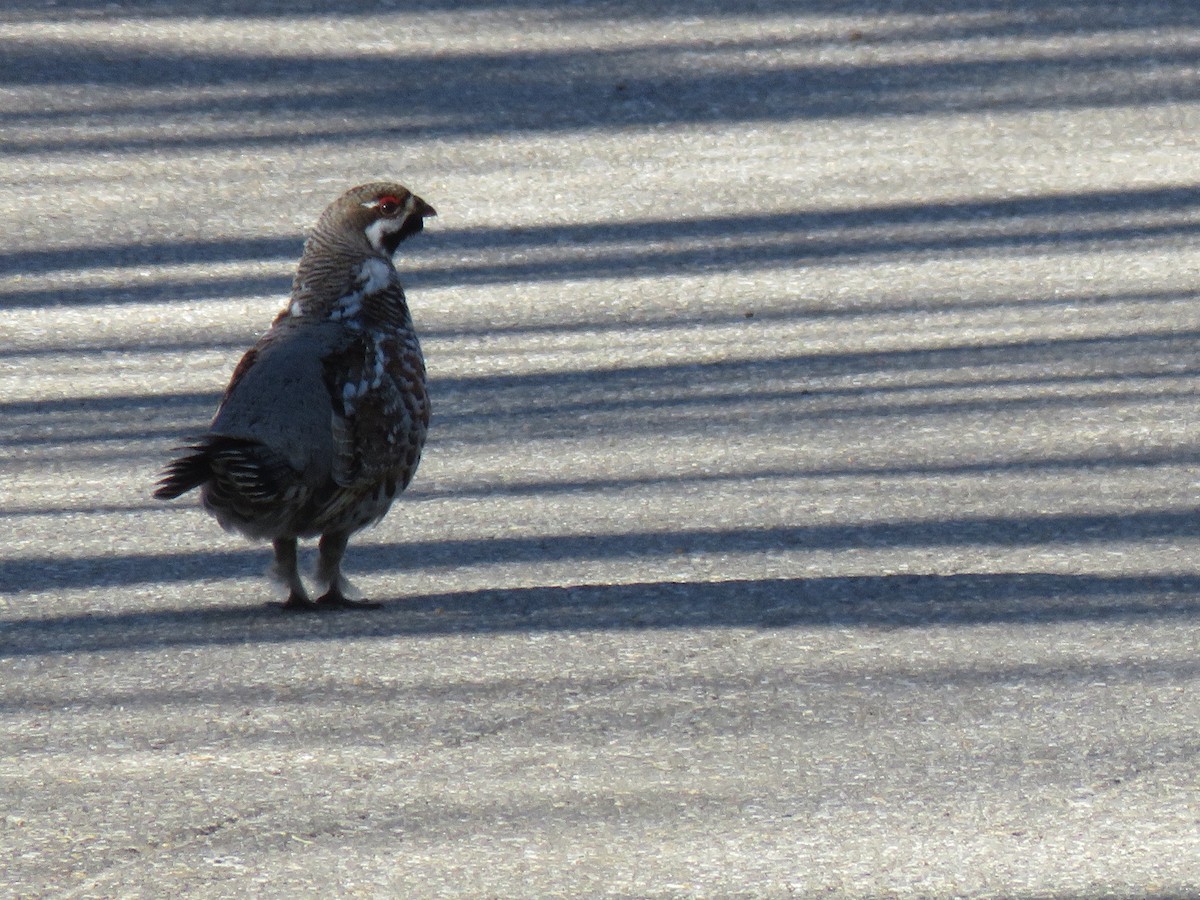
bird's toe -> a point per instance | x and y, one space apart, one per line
337 600
299 603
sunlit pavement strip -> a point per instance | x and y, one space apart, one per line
809 507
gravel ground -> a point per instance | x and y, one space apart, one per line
809 507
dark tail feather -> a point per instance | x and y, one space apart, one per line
186 472
238 467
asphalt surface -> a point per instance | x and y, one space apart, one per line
809 507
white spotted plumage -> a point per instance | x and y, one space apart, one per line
375 275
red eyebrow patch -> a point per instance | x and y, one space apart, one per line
389 205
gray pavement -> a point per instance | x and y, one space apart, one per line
809 508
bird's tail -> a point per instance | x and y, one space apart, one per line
186 472
238 465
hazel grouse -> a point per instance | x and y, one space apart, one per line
323 421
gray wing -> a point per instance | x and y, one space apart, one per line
279 398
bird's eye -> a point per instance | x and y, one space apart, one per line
389 206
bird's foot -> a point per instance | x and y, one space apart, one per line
334 599
298 602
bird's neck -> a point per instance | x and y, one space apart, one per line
341 283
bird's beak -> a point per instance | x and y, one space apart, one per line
416 211
423 209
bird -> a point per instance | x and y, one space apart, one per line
325 417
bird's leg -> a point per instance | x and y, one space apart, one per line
329 571
287 571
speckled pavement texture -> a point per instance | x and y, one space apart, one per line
810 502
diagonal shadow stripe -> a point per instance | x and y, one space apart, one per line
500 92
839 601
968 223
42 573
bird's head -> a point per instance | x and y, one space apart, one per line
384 213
